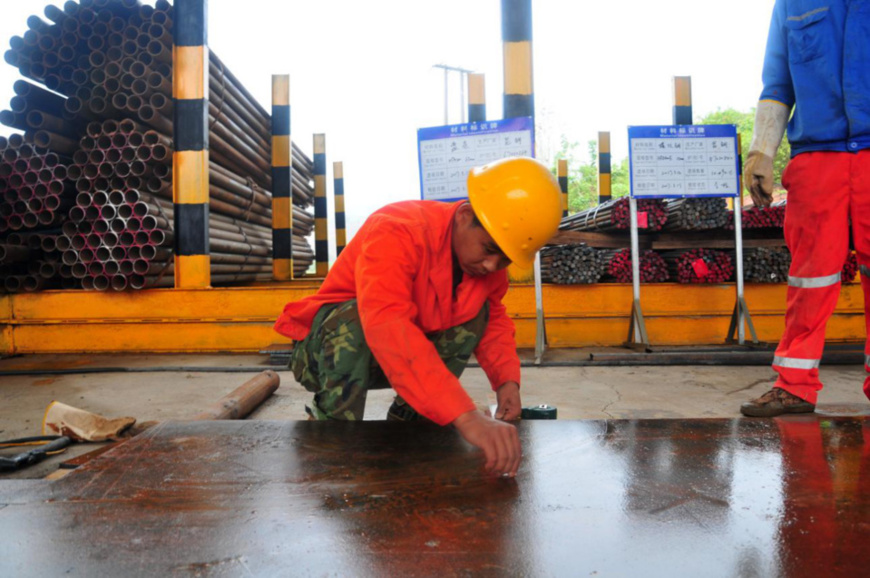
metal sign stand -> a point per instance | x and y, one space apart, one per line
540 325
741 311
637 337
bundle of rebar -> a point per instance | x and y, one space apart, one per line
761 218
699 266
615 215
696 214
571 264
652 267
766 265
850 268
111 60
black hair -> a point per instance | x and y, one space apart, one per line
475 222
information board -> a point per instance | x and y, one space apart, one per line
683 161
447 153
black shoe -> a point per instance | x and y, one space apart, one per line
776 402
402 411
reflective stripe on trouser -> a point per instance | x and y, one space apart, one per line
335 363
820 194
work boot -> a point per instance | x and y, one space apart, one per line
776 402
402 411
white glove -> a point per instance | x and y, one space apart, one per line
771 118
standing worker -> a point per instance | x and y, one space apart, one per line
417 290
817 65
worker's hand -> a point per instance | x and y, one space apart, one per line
499 441
771 118
758 178
509 406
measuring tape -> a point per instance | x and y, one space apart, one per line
542 411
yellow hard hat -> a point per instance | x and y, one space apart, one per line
518 202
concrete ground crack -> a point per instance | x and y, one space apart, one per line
753 384
617 400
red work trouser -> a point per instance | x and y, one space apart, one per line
825 190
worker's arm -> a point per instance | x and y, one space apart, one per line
497 353
771 116
385 272
509 405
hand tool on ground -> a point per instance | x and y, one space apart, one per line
47 445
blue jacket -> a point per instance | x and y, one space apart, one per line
818 60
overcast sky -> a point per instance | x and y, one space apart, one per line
361 72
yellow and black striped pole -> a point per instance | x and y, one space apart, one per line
476 98
190 159
563 185
682 100
516 35
518 98
340 222
282 196
321 228
605 192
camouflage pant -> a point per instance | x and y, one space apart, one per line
335 363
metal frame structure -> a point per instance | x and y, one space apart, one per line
241 318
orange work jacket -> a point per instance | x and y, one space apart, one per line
399 267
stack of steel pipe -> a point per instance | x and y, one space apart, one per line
766 265
112 60
615 215
571 264
761 218
123 239
700 266
35 194
121 233
850 268
38 113
32 262
696 214
653 268
36 191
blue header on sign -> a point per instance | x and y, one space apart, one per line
684 161
446 154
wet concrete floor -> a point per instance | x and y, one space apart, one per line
651 497
172 387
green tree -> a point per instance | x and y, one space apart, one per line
619 178
582 174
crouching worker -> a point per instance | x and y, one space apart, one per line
414 294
